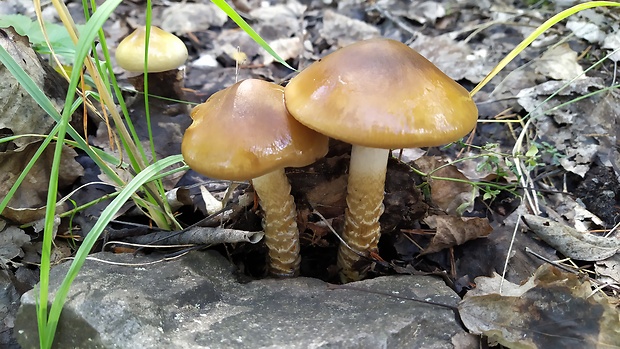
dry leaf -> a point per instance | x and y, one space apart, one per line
212 204
585 29
559 63
19 113
11 241
328 197
452 197
612 43
571 242
453 231
28 202
183 18
577 141
608 271
553 309
443 51
279 20
287 48
341 30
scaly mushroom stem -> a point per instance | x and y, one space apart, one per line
364 207
280 224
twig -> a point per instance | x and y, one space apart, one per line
512 241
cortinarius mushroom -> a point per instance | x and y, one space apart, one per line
245 132
377 94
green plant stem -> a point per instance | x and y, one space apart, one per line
77 209
147 37
47 325
158 184
49 230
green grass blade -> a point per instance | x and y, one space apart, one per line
106 216
223 5
47 324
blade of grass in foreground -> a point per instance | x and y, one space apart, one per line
47 324
541 29
106 216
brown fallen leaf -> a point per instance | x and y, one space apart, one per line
28 202
19 113
452 197
453 231
553 309
571 242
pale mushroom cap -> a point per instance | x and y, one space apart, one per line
381 93
166 51
245 131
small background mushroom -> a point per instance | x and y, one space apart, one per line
166 54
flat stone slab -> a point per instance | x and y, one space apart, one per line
197 302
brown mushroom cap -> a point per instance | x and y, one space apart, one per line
380 93
166 51
245 131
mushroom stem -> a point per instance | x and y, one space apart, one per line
280 224
365 189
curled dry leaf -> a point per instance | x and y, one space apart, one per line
553 309
178 197
571 242
453 231
200 236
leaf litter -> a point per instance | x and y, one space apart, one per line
552 309
456 36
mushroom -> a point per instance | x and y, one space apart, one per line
166 54
245 132
377 94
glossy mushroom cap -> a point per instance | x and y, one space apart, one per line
166 51
245 131
380 93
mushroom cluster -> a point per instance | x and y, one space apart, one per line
377 95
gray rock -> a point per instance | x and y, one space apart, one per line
196 302
9 301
